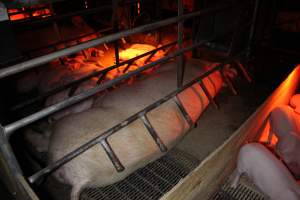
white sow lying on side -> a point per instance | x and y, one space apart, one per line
133 144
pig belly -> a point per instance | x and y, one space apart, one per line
133 145
267 172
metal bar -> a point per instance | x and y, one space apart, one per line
151 56
72 100
127 67
183 111
115 25
63 16
53 45
112 156
70 50
10 169
180 64
101 78
53 166
244 71
228 82
91 75
206 92
253 28
162 147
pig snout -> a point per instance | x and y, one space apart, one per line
267 172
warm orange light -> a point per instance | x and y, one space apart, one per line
19 14
139 49
281 96
43 13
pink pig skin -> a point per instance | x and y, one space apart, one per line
267 172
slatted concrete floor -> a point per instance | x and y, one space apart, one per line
244 191
150 182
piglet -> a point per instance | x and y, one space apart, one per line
267 172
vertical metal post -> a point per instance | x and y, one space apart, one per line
10 171
180 64
116 29
253 28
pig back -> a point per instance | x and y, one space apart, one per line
133 145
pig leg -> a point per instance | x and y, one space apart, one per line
76 190
235 178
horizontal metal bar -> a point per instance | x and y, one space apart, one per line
53 45
112 156
184 113
53 166
72 100
85 78
162 147
70 50
63 16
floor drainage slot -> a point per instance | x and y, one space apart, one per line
150 182
241 192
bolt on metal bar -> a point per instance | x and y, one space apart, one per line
53 166
10 128
8 71
183 111
85 78
162 147
207 94
112 156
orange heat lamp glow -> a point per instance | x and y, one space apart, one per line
19 14
139 49
281 96
43 13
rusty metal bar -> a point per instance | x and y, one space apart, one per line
112 156
207 94
184 113
53 166
162 147
180 64
8 71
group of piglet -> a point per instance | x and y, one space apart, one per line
275 175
